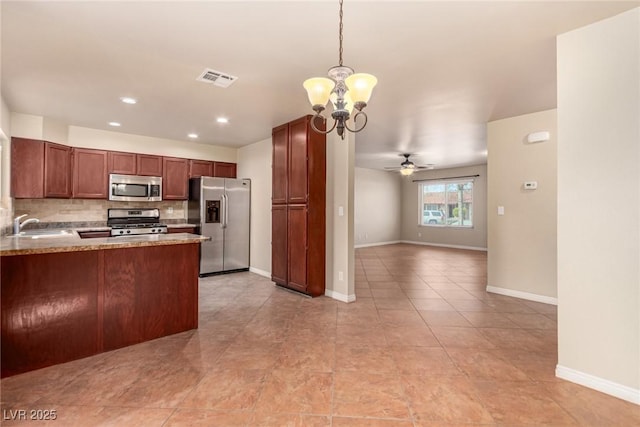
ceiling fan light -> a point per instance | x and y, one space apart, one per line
361 86
406 171
318 90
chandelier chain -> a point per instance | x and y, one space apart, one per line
340 31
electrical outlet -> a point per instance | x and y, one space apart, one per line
340 276
170 210
366 235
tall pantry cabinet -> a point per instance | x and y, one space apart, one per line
298 207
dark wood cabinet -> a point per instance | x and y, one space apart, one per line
279 259
58 307
122 163
175 178
224 170
279 137
90 177
27 168
134 164
45 169
57 170
182 229
297 176
297 247
200 168
298 207
149 165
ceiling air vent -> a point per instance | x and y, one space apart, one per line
218 78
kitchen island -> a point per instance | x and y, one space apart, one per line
64 298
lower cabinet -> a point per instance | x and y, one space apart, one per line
58 307
279 258
297 248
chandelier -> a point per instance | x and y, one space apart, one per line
346 91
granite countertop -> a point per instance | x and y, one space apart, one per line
13 245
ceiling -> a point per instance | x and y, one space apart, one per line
444 68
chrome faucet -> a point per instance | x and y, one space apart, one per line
16 223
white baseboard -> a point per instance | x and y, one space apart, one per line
339 296
260 272
600 384
523 295
439 245
368 245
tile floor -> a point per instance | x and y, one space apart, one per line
424 345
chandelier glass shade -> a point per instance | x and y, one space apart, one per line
346 91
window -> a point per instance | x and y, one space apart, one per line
446 203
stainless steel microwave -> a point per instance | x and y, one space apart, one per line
133 188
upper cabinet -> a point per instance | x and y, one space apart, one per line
90 177
297 168
122 163
149 165
135 164
175 178
57 170
224 170
280 138
200 168
44 169
27 168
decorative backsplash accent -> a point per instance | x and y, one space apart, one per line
91 211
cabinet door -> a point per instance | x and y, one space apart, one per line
297 247
185 229
224 170
279 138
148 165
27 168
90 178
297 170
279 244
175 178
57 170
200 168
123 163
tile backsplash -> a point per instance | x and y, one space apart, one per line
94 211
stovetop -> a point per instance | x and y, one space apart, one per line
132 221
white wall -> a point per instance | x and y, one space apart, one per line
6 208
377 206
522 242
254 162
599 205
475 237
36 127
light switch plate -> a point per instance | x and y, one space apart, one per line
500 210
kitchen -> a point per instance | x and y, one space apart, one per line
343 154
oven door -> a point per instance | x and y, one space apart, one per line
128 188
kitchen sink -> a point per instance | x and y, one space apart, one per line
43 233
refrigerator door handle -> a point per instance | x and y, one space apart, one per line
225 211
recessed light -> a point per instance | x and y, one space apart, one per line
114 124
128 100
193 135
222 120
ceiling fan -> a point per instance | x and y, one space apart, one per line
407 167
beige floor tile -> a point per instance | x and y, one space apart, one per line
226 390
443 318
287 391
369 395
445 399
207 418
423 361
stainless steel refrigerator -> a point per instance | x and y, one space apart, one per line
219 208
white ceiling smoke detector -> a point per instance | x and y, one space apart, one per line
218 78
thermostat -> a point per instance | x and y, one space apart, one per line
530 185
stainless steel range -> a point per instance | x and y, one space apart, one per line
128 222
